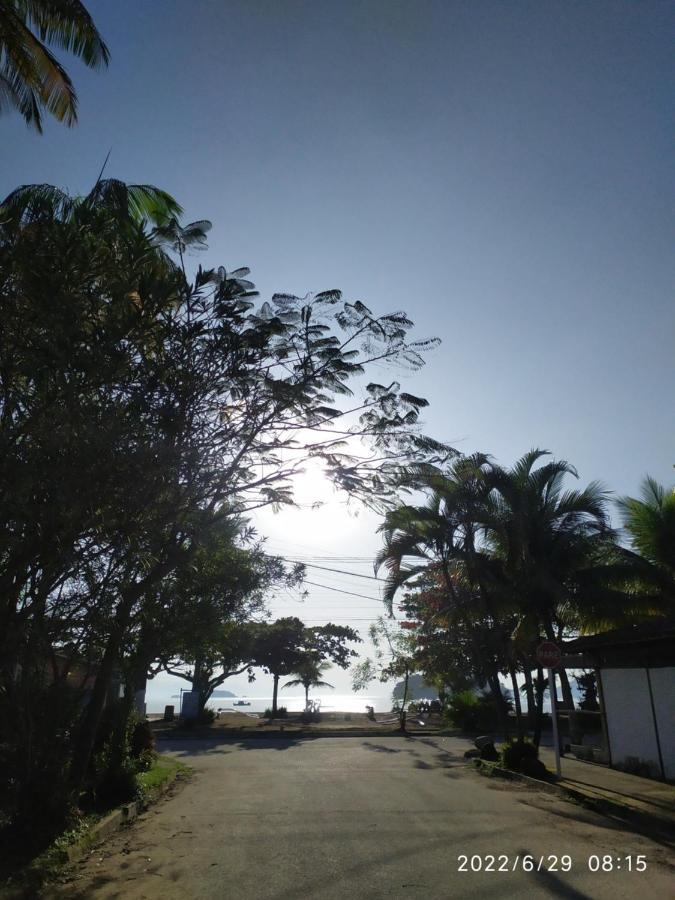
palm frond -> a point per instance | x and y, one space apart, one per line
67 24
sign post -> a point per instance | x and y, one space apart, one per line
549 656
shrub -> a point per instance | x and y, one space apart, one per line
207 716
515 752
145 760
142 738
117 785
470 711
282 713
534 768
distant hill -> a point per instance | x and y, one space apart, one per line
223 694
418 689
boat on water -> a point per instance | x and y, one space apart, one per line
241 703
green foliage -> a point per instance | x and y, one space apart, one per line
281 713
31 78
142 738
649 566
514 753
471 712
143 414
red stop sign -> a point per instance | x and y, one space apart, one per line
548 655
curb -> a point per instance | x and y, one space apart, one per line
648 823
116 820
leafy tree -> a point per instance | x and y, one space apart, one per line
201 628
285 646
31 78
394 658
280 650
139 410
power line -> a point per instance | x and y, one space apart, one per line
339 571
340 591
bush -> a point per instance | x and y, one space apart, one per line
207 716
117 785
146 760
142 738
515 753
282 713
534 768
470 712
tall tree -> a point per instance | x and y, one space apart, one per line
446 535
394 658
285 646
31 78
551 545
139 409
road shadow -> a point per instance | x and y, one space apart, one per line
631 823
200 746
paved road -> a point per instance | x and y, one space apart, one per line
334 818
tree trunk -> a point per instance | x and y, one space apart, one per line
529 692
516 700
198 686
567 695
306 697
500 706
92 715
274 696
540 706
402 714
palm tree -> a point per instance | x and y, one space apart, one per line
31 78
551 544
650 524
134 202
444 534
309 674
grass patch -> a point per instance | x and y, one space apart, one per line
26 882
163 769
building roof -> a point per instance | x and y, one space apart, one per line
651 642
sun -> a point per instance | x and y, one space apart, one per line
312 485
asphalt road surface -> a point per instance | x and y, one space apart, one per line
357 818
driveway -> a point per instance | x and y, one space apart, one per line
331 818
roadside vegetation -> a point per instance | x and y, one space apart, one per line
495 560
143 415
149 406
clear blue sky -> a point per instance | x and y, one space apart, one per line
501 171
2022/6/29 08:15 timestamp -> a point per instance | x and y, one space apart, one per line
551 862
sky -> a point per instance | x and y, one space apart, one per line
503 172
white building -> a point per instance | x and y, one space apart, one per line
636 680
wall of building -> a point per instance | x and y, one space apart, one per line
663 691
630 723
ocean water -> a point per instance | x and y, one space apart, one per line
330 702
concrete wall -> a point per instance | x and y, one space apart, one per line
663 691
630 723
